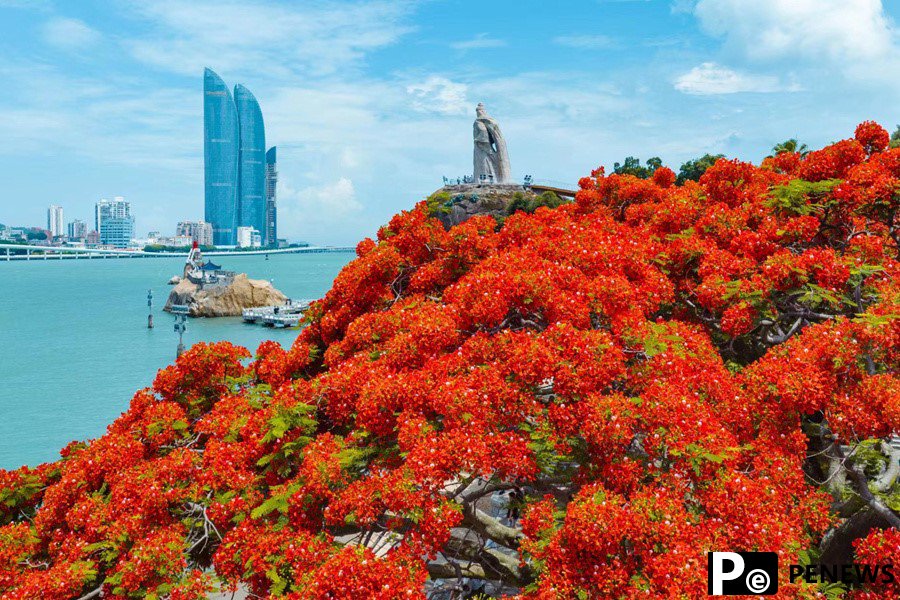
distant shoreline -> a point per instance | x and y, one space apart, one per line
60 253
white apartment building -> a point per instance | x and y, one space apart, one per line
55 223
199 231
248 237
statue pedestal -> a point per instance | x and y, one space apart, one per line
454 204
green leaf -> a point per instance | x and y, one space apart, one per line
800 197
713 457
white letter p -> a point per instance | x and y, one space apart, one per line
719 575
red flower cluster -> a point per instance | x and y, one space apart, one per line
578 402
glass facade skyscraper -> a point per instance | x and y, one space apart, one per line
252 160
221 147
271 232
234 149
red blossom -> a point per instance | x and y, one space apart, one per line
872 136
578 402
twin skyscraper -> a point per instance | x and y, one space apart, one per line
240 174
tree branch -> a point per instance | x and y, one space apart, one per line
492 528
92 594
862 488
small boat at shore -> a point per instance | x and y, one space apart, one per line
288 314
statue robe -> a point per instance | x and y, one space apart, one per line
491 158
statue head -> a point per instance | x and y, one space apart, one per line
480 113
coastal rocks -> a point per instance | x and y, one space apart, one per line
225 300
175 280
454 204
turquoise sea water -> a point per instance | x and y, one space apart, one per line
74 343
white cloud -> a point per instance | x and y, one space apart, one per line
439 94
303 212
583 100
710 78
584 42
840 30
155 128
69 34
478 42
264 38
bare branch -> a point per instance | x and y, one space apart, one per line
862 488
93 593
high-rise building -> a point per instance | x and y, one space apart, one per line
252 172
55 224
221 147
114 222
101 210
77 230
271 231
234 151
117 208
199 231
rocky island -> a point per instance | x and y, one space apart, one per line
225 300
209 291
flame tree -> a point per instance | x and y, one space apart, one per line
576 403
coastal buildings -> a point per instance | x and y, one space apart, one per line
199 231
176 241
55 223
117 208
8 233
235 160
117 232
248 237
114 222
270 239
77 230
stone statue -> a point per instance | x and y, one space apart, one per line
491 158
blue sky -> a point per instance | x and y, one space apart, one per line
370 103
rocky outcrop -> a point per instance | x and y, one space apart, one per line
175 280
225 300
454 204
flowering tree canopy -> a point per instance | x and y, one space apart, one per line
576 403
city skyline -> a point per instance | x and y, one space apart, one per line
370 104
119 219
